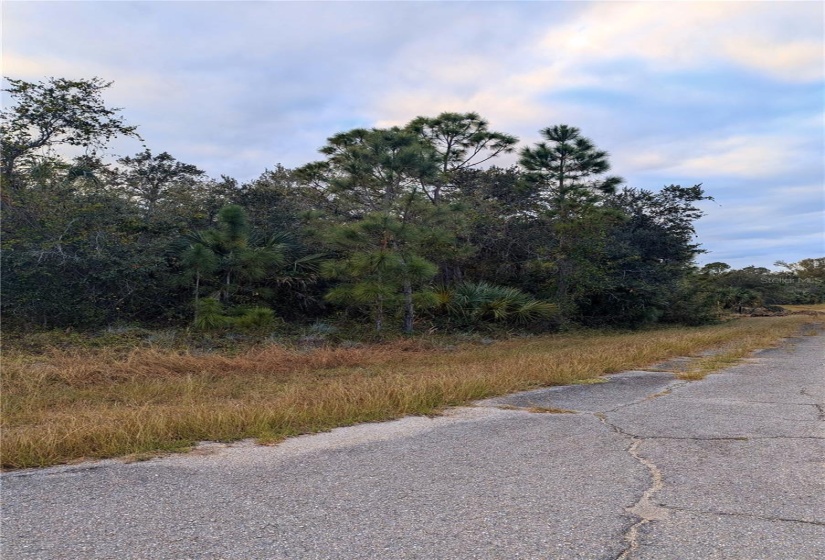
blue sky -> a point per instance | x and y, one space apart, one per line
727 94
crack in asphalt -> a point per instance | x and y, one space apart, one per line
648 511
819 406
645 509
748 515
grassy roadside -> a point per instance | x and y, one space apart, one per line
69 404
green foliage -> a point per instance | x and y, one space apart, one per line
565 170
228 260
257 318
472 303
366 233
379 269
210 315
55 112
459 141
736 290
645 260
565 176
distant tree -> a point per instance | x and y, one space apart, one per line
150 179
715 268
806 268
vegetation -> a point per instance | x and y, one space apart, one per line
798 283
61 405
389 229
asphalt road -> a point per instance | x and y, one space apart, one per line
647 467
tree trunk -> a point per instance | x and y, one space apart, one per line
197 292
379 315
409 310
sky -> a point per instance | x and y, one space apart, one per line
726 94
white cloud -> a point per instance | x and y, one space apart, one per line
800 60
782 41
743 156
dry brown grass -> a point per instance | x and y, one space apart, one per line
67 405
814 308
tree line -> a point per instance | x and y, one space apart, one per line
402 228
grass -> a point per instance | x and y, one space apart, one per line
807 308
70 404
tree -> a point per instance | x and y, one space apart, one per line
199 261
72 254
227 256
567 171
715 268
372 181
566 174
56 112
151 178
502 232
646 267
460 141
371 170
380 268
806 269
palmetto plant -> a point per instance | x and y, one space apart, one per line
472 303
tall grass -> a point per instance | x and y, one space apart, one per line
66 405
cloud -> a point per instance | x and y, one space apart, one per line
798 61
743 156
783 41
